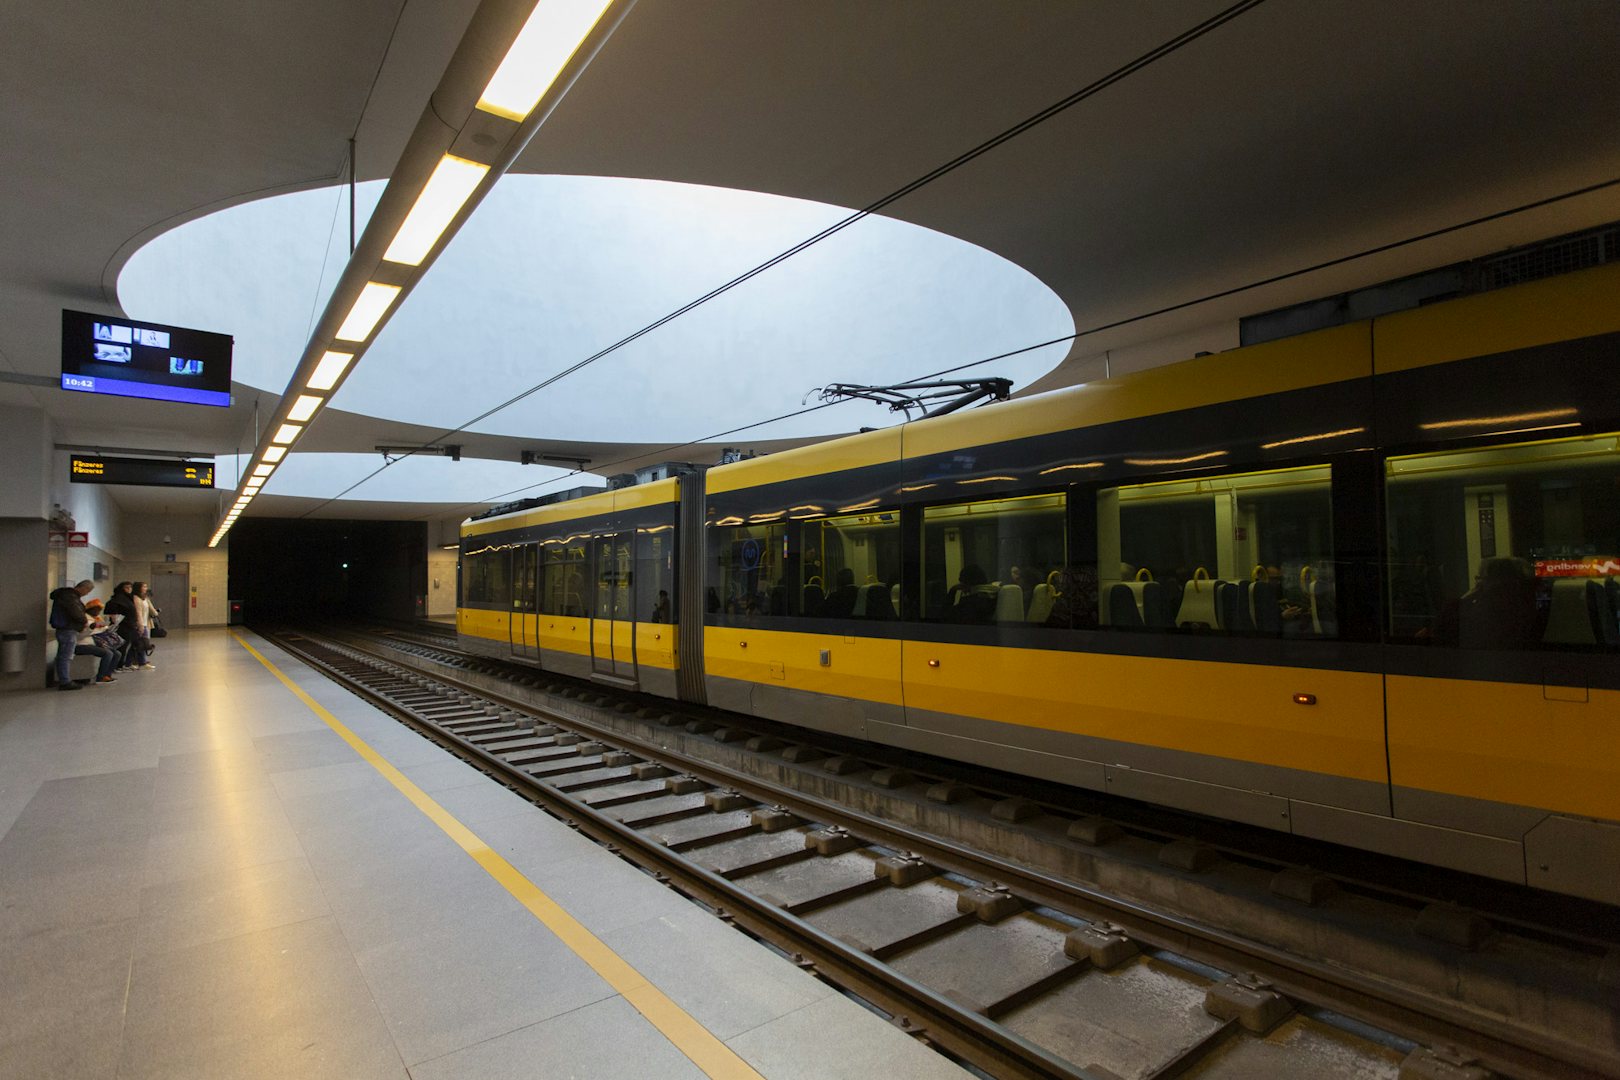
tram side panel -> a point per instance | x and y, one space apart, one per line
801 585
1504 568
1164 625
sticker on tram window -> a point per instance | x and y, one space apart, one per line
1585 566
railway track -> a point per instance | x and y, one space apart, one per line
1014 971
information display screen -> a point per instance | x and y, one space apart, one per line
105 355
148 472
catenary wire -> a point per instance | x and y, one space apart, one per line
1153 55
1380 249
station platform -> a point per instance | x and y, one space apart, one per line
230 867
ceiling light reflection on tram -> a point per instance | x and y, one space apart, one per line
304 407
329 370
453 181
538 54
263 470
287 433
369 308
274 453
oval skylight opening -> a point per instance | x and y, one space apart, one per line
553 269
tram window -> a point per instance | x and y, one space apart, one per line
749 561
487 575
524 578
655 573
1508 547
1002 561
562 578
614 576
1248 553
850 566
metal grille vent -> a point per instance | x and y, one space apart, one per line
1549 258
1561 256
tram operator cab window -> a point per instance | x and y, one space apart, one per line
1247 553
1507 547
1000 561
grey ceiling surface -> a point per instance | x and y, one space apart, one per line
1293 135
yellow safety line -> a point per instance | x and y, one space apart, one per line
691 1038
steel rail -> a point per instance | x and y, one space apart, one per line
914 1007
1405 1012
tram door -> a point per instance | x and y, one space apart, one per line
613 631
524 625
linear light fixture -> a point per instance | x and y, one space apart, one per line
369 308
555 29
263 470
451 185
329 370
448 166
304 407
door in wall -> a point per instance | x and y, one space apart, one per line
171 592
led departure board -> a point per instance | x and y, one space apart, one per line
147 472
106 355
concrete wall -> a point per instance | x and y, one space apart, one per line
143 541
93 510
441 596
23 604
25 488
25 462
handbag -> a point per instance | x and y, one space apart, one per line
157 629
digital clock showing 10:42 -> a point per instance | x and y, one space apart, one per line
146 472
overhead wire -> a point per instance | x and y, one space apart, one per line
1152 56
1326 264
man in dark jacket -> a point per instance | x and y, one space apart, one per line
68 618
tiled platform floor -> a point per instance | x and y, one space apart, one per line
199 878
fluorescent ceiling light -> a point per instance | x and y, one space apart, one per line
368 310
263 470
329 370
538 54
274 453
287 433
304 407
452 183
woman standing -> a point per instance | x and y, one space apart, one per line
122 604
145 612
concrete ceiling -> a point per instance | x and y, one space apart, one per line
1292 136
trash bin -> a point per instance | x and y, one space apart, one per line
13 651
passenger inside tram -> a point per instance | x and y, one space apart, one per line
1507 548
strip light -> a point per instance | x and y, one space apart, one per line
549 43
554 31
304 407
369 308
329 370
453 181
